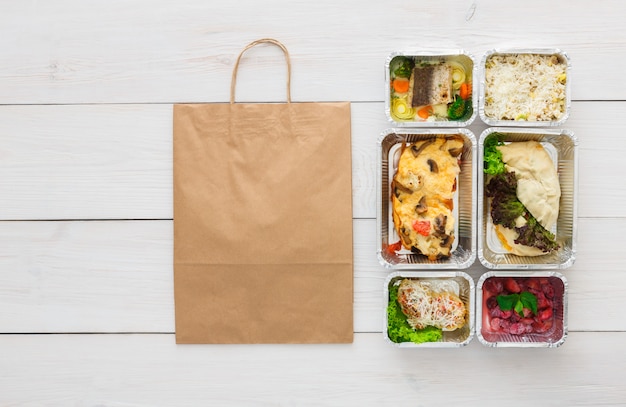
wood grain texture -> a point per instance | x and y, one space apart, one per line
151 52
86 95
115 161
149 370
116 276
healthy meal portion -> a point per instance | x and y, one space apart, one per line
422 195
527 87
518 306
522 187
429 90
421 310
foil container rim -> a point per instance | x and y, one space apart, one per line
471 259
567 263
512 273
521 123
431 274
434 52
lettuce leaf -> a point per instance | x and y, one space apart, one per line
398 328
506 208
492 157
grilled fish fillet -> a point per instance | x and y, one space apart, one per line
431 85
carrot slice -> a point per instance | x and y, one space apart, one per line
425 111
401 85
465 90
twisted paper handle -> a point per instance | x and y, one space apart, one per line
252 44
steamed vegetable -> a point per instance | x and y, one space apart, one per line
458 108
399 330
425 112
458 74
401 67
401 110
465 90
401 70
401 85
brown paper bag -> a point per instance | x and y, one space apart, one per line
263 221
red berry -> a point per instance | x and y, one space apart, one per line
544 314
512 286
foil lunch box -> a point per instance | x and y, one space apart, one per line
463 252
421 86
562 146
547 328
525 87
458 282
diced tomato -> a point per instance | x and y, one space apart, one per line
422 227
393 248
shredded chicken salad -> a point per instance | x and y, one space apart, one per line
525 87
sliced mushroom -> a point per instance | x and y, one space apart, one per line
421 206
441 256
398 189
404 236
433 166
416 150
455 151
454 145
454 137
440 223
446 241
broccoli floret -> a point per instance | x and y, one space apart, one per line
458 108
401 67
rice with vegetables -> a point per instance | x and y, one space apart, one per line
527 87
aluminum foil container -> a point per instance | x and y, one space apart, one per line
545 329
458 282
562 146
398 104
542 99
464 246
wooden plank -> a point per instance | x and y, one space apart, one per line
116 276
115 161
147 51
85 162
150 370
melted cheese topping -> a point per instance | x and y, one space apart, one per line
424 186
525 87
424 306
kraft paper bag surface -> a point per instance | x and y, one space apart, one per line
263 221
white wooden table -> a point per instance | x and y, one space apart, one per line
86 287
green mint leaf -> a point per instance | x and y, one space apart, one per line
519 308
506 302
529 300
